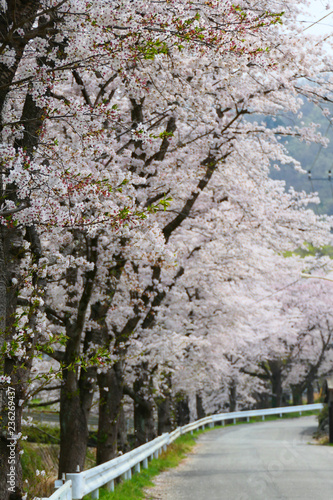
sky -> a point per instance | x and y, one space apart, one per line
317 10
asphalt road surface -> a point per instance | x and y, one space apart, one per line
261 461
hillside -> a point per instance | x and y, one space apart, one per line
314 158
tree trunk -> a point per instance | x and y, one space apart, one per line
165 416
165 410
297 391
276 381
73 432
122 441
110 407
76 397
77 391
310 394
144 421
182 409
200 409
18 369
232 396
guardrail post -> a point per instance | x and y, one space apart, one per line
248 419
137 467
129 474
263 417
95 494
77 484
280 415
211 425
110 485
234 421
145 463
156 454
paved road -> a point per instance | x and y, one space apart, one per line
261 461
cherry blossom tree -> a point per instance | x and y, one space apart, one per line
111 111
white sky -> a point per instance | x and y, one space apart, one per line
317 10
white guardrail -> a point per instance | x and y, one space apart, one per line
74 486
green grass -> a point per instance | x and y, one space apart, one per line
285 415
42 433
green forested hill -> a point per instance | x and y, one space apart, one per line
314 158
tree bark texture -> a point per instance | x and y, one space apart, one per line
232 396
297 391
144 419
310 394
199 405
276 381
182 410
110 409
165 413
78 384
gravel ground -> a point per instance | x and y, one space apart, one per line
163 480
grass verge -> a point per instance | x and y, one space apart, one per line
44 457
285 415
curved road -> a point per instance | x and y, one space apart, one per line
262 461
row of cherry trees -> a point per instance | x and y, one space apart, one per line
142 239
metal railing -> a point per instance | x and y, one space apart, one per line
62 493
77 485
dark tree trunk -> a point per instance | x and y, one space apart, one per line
76 394
122 440
200 409
263 400
310 394
276 381
165 408
144 421
297 391
110 408
76 397
73 432
182 410
165 415
232 396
